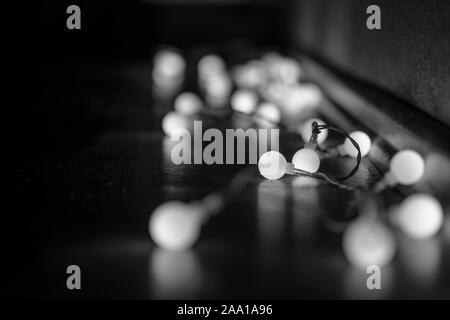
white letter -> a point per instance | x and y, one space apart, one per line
373 21
181 152
374 281
198 142
216 146
74 280
74 20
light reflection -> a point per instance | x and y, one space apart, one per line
174 275
272 196
305 201
421 259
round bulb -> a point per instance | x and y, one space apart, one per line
244 101
269 111
367 241
188 104
172 122
362 139
419 216
407 167
306 131
272 165
209 66
307 160
168 63
174 225
288 71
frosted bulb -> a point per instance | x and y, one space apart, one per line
288 71
362 139
244 101
407 167
210 65
270 112
168 63
218 86
419 216
306 131
251 75
307 160
172 122
188 104
174 225
367 241
272 165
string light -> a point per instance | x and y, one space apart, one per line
210 66
168 68
306 131
348 149
244 101
272 165
306 159
175 226
267 114
173 121
188 104
367 241
419 216
406 167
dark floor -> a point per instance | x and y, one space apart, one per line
102 169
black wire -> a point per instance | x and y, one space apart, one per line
316 129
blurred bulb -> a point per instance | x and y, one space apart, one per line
407 167
217 89
272 165
175 225
168 63
172 122
419 216
244 101
249 76
209 66
367 241
269 112
307 160
306 131
188 104
362 139
288 71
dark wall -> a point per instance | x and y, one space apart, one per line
409 56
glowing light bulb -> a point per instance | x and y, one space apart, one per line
175 225
367 241
288 71
362 139
217 89
306 131
244 101
188 104
407 167
419 216
209 66
172 122
307 160
250 76
268 114
272 165
168 63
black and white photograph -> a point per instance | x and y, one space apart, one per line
228 154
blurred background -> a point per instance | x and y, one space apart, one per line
91 162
